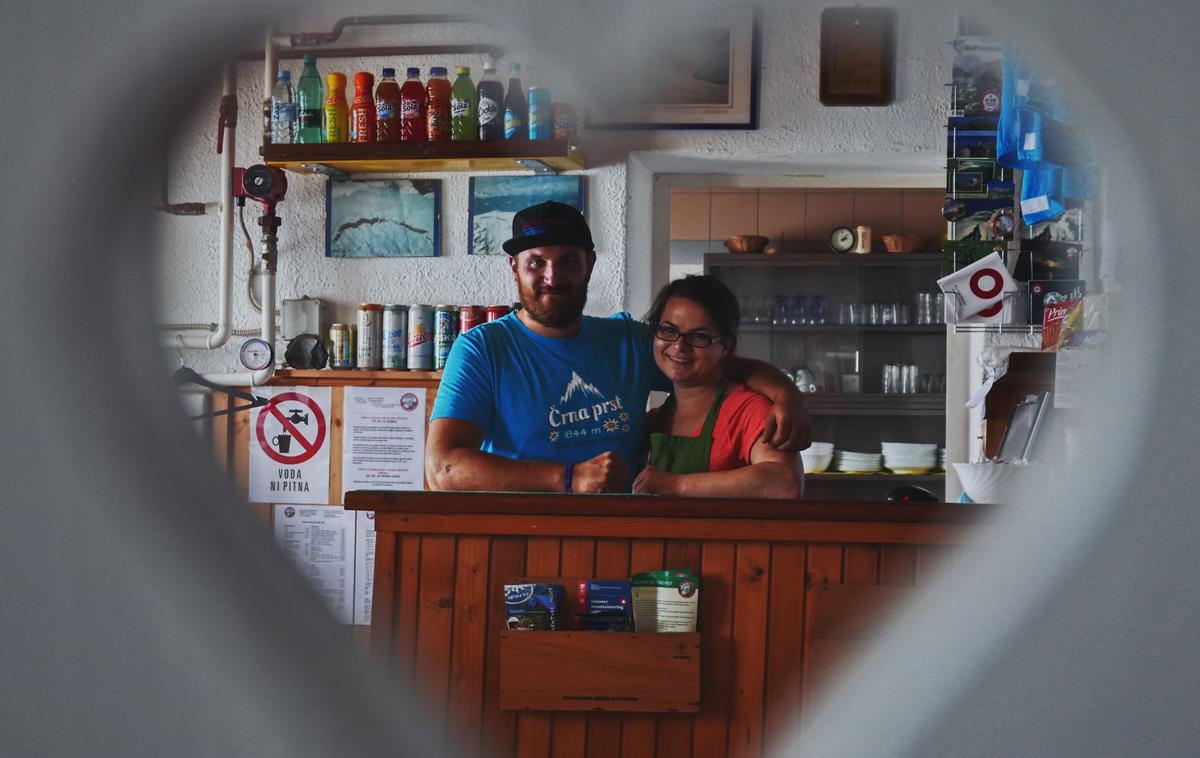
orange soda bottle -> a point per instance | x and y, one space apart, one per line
362 114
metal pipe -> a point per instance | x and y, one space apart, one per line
270 71
324 38
220 335
398 51
180 209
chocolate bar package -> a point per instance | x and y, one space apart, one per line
533 607
605 605
1046 292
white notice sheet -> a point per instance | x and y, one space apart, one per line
383 440
320 541
364 565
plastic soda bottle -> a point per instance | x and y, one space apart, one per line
337 111
387 108
283 110
412 108
362 114
491 101
437 105
464 118
309 99
541 113
516 111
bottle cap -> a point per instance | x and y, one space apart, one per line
461 70
309 59
336 80
437 71
389 72
489 66
514 68
363 80
413 72
284 76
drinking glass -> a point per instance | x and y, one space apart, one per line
874 313
892 379
817 313
887 313
925 308
908 379
799 310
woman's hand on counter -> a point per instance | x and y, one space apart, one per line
654 481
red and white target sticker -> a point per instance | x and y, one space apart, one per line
289 450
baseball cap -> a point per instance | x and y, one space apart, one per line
548 223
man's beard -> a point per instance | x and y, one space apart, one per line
556 313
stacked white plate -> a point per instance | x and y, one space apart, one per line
909 457
941 464
857 463
817 457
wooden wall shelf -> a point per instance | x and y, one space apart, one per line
539 156
600 671
749 260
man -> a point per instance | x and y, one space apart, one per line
546 399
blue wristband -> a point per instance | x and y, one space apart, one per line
568 472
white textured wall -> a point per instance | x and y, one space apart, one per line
796 134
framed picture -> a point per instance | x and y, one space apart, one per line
1020 437
383 218
705 77
496 199
858 56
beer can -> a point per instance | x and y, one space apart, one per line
496 311
341 346
469 316
395 337
541 113
370 336
445 330
420 338
565 121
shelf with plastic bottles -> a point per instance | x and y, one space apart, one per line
348 159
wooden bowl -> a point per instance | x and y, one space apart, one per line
902 243
746 243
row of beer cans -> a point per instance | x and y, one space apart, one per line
404 337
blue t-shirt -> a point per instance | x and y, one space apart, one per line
539 398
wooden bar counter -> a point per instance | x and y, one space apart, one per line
787 592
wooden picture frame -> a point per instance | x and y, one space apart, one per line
858 56
731 99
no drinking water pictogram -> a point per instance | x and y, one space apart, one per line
292 445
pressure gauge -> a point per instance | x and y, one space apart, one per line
256 354
842 239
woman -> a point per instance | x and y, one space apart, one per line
705 441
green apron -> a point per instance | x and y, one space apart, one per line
685 455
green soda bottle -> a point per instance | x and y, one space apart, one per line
310 100
464 108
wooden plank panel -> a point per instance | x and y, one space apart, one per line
689 215
569 733
710 731
882 210
749 648
499 727
469 646
435 616
897 564
383 603
738 530
408 583
638 731
824 569
240 450
218 431
604 729
337 397
533 729
733 213
861 564
785 650
674 733
781 215
930 560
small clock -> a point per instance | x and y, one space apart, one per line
842 239
256 354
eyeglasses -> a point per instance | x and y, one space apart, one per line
668 333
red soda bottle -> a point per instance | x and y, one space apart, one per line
412 108
362 113
387 108
437 105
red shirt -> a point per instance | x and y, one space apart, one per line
739 424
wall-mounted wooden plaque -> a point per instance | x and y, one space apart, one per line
858 55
